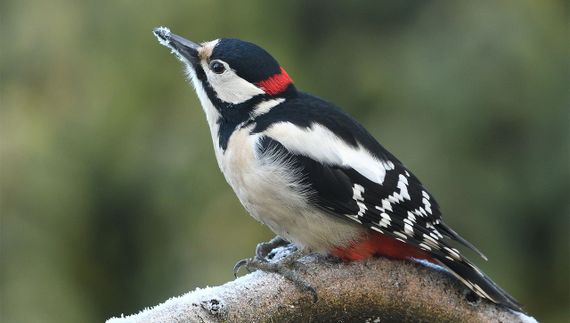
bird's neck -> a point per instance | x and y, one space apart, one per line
224 117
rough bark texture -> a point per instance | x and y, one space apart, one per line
376 290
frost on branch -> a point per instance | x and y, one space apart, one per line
376 290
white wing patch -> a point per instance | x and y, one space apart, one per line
319 143
357 196
426 209
396 197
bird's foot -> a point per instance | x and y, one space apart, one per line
269 259
268 250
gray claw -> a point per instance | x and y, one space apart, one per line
240 264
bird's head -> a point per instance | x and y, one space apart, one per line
229 74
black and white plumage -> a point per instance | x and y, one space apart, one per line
308 170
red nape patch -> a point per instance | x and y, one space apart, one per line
376 244
276 83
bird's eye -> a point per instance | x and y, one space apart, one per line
217 67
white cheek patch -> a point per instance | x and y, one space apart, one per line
229 87
321 144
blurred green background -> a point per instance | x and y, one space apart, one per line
111 199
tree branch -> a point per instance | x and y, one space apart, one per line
375 290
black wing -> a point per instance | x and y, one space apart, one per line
400 208
420 208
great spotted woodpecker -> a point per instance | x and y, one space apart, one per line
309 171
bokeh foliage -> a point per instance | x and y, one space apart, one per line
111 199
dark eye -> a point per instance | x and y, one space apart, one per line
217 67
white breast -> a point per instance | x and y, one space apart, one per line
271 193
268 191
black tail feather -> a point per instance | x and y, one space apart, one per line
479 283
455 236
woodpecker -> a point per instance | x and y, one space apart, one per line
310 172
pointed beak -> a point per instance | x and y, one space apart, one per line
180 45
